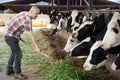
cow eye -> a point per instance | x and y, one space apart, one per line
115 30
72 40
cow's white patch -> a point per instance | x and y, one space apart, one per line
73 15
70 44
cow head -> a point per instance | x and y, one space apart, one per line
53 16
82 49
84 30
90 28
112 35
97 57
70 43
62 22
74 38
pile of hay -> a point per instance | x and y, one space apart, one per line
55 44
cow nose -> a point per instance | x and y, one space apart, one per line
103 46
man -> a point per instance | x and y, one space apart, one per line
21 22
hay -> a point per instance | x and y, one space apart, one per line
55 44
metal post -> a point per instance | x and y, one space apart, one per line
90 4
80 2
68 5
90 8
52 3
58 3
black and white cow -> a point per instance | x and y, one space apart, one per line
99 51
89 28
63 23
112 36
73 40
98 56
108 41
54 18
82 49
68 20
77 17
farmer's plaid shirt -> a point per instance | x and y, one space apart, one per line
22 22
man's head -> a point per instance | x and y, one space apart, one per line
34 11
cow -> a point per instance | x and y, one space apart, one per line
77 17
68 20
88 28
108 41
112 36
101 49
98 56
54 18
63 23
73 39
82 49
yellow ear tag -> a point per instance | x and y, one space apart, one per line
68 17
57 17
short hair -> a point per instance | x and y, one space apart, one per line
34 8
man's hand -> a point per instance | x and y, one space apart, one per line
40 52
38 49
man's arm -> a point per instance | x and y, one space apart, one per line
34 41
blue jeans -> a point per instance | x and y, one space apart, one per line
16 55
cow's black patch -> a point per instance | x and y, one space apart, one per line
98 56
118 21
